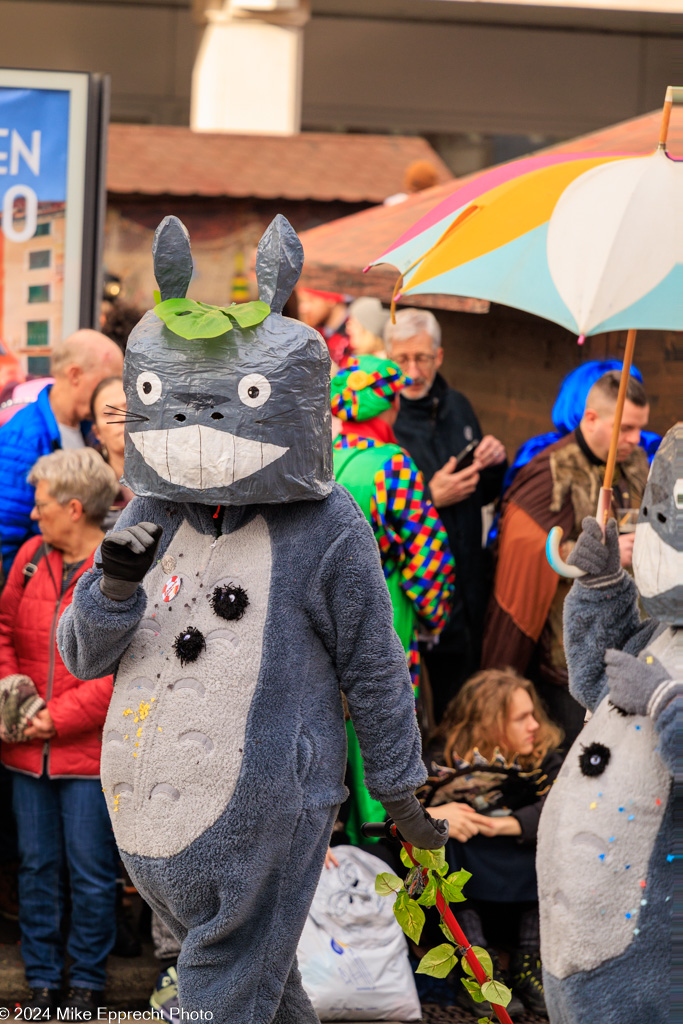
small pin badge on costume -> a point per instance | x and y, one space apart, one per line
171 588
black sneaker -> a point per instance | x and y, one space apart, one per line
80 999
41 999
465 1001
526 978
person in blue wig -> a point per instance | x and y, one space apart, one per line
567 413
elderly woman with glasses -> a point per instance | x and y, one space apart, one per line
61 814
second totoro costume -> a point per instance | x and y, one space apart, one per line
224 748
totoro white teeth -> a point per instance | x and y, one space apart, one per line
202 457
658 567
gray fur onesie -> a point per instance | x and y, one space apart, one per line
224 749
605 860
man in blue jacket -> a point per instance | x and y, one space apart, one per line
58 419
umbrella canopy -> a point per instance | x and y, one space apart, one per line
590 242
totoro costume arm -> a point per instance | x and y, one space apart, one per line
95 631
594 620
350 609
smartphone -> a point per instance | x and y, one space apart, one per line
466 456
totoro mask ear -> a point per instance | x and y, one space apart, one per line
172 258
279 259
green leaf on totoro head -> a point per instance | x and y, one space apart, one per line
438 962
191 320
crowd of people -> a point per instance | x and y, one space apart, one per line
480 622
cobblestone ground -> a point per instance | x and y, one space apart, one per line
131 981
432 1014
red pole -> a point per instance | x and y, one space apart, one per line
458 934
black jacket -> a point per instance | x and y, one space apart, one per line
432 429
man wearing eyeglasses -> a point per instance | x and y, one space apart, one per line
437 424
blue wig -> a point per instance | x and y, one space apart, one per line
568 410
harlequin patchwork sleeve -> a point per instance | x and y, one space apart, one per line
413 540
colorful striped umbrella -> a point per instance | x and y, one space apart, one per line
594 243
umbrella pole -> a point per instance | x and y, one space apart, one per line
605 499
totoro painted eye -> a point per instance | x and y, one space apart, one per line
254 390
149 387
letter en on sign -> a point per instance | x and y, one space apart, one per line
18 148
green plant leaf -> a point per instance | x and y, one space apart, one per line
484 958
485 1020
474 989
156 295
190 319
405 859
448 933
247 314
387 883
451 893
451 887
438 962
430 858
410 916
459 877
496 992
428 897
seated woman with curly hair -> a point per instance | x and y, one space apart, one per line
504 755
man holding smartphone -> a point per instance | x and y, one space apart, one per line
464 471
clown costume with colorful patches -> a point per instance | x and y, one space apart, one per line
605 858
232 640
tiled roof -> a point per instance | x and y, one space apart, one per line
336 252
639 135
164 160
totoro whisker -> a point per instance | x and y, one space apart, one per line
128 417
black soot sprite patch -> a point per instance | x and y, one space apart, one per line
230 602
189 644
594 759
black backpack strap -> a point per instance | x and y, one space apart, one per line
31 567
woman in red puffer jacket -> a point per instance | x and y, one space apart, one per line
58 803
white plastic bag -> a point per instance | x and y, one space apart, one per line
352 954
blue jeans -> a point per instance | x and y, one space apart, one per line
64 822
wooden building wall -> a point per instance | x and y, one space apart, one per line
510 365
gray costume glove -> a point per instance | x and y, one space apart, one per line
415 825
127 555
633 681
601 562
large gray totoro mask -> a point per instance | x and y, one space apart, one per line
240 419
658 546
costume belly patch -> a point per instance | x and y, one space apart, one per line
174 736
596 837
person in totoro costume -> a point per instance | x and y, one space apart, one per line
241 594
605 860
